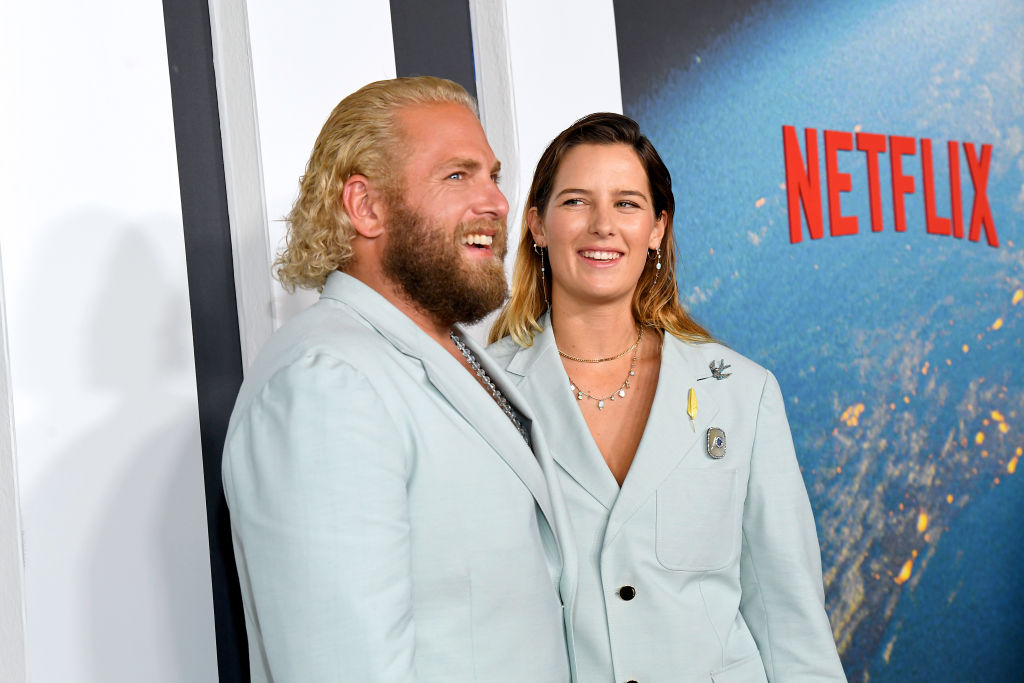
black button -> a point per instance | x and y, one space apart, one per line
627 593
631 681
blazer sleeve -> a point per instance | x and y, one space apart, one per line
317 494
783 600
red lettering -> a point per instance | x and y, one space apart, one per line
955 202
837 183
803 184
981 213
901 184
933 223
873 144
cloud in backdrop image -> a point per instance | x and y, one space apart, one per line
899 351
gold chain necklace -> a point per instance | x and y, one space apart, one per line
580 393
605 360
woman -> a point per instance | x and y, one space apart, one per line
698 554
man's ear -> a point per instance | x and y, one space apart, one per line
536 226
364 206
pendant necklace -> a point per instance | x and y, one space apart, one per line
580 393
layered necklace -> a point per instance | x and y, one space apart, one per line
581 393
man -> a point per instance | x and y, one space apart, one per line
390 520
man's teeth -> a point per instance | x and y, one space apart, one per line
479 240
601 255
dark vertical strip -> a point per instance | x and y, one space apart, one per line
434 39
211 285
655 37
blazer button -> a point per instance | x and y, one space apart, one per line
631 681
627 593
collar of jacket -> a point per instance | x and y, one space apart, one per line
668 438
451 379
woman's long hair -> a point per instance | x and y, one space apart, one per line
655 304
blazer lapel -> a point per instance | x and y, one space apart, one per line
669 437
449 377
559 522
546 388
494 425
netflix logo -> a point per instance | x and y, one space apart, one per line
803 184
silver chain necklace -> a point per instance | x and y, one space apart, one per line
499 397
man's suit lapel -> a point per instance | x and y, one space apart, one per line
448 376
546 388
559 522
669 436
480 410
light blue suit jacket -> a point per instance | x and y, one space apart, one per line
389 522
722 555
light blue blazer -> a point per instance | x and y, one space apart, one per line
698 569
389 522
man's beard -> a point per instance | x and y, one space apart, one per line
427 262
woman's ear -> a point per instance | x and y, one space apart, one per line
363 206
659 231
536 226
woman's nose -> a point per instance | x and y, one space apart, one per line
601 222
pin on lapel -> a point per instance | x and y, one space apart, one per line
691 407
717 371
716 443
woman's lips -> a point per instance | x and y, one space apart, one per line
600 257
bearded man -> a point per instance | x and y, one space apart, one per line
393 512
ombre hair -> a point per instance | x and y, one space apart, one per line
361 136
654 304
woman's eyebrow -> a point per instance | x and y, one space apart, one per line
573 190
616 193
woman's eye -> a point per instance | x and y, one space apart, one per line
628 204
574 201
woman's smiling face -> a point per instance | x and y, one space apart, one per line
598 225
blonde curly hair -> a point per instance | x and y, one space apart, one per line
359 137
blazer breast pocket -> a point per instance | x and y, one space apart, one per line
698 520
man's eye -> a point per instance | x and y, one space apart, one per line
455 176
496 178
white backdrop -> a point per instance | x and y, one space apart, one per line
306 57
116 562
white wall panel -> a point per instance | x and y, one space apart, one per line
560 62
110 468
12 571
243 174
563 67
306 57
540 66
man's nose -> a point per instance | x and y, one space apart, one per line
491 202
